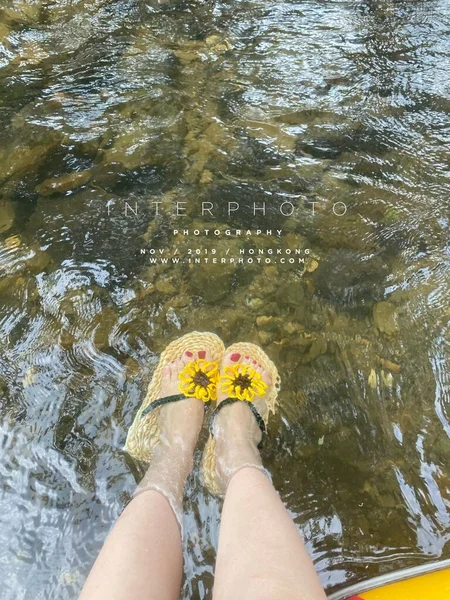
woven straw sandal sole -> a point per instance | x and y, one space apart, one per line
209 454
144 433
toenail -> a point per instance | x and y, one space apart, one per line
247 358
235 357
202 354
189 354
254 362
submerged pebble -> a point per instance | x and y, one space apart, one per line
385 318
7 215
372 379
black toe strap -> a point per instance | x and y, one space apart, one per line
161 402
251 406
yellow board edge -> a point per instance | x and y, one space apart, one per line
433 586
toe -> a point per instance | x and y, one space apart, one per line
170 372
232 358
166 372
206 355
247 360
185 360
264 374
175 368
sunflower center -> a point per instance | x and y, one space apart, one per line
201 378
244 381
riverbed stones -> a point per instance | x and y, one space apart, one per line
318 348
255 303
270 134
16 160
211 283
106 321
269 323
21 13
218 44
311 265
387 378
350 279
291 293
385 318
64 183
165 286
66 339
292 328
372 379
4 33
389 364
39 261
206 177
265 337
146 141
7 216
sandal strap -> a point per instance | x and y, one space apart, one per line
161 401
229 401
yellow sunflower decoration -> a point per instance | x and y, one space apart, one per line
242 382
198 379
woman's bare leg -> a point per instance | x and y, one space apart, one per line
142 556
261 555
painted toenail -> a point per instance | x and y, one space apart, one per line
202 354
235 357
254 362
247 358
189 354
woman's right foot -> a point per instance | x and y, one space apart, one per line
236 430
180 424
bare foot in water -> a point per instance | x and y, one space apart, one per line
180 424
236 430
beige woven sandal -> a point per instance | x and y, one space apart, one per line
209 454
144 434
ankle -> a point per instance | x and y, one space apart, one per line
167 474
233 454
236 424
173 455
237 450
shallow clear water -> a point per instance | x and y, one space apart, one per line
106 102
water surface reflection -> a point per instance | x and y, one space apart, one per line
309 102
